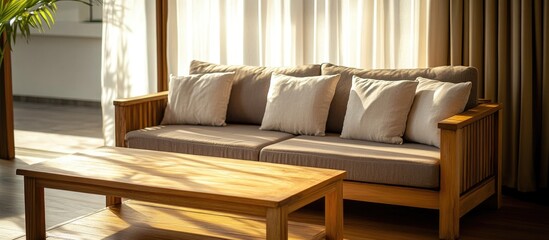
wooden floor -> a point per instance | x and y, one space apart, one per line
44 132
144 221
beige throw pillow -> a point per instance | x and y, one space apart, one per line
299 105
434 102
198 99
250 87
377 110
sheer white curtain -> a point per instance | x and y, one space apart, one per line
129 57
356 33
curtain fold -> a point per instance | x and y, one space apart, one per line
129 55
356 33
544 166
442 25
507 42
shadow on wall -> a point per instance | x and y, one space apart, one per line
128 67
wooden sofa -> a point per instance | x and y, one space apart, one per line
470 161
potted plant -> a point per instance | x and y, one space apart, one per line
17 18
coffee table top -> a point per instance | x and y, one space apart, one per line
230 180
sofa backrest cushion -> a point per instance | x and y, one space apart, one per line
199 99
338 107
250 87
299 105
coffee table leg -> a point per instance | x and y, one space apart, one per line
277 223
35 217
334 213
112 200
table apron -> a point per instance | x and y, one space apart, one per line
168 199
310 197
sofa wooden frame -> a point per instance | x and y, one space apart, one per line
470 161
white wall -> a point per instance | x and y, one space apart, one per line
62 63
74 11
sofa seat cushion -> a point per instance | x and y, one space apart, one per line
409 164
231 141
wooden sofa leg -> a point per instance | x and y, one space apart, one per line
112 200
495 201
448 223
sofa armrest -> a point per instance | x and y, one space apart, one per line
484 100
137 113
470 116
470 156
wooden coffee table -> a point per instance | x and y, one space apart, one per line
271 191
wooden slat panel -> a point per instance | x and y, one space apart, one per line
483 156
488 139
467 157
137 113
120 125
479 159
474 157
481 148
491 144
468 173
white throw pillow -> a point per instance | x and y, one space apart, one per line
299 105
434 102
198 99
377 110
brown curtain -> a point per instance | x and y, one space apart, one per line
508 42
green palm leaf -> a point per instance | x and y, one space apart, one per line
19 16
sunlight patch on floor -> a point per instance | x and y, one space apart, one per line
32 147
12 222
12 227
